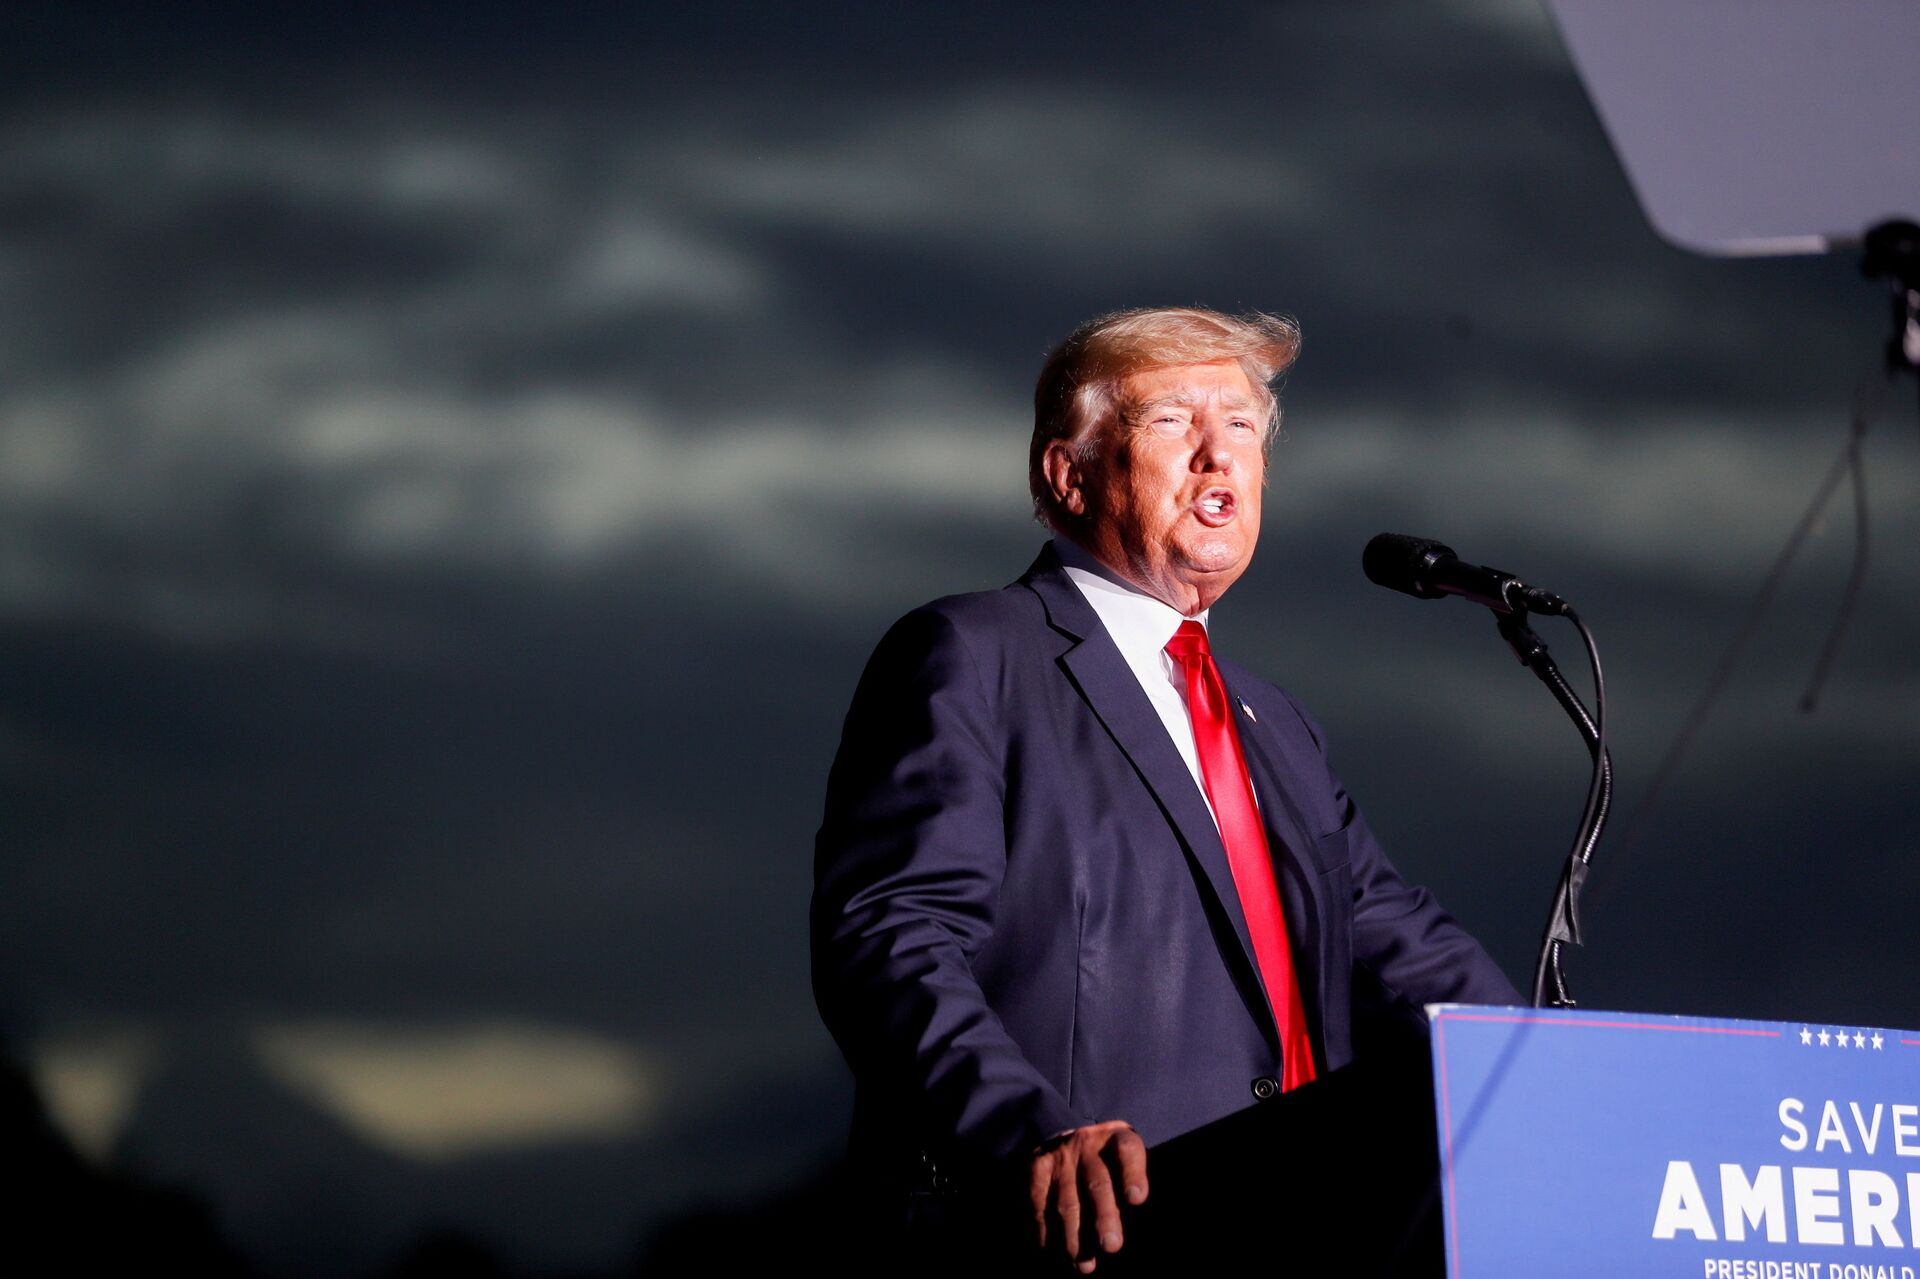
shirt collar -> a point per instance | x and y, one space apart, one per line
1139 624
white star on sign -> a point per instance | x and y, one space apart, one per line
1859 1040
1840 1040
1824 1037
1806 1036
1877 1041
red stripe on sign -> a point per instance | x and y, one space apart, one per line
1618 1025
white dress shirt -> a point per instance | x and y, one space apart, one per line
1141 626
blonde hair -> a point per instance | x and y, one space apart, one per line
1076 399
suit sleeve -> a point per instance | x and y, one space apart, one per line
1412 947
907 873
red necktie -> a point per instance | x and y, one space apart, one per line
1223 768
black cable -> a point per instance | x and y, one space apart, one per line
1563 921
1856 575
1890 251
1598 789
1865 411
1592 819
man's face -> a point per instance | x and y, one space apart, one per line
1173 498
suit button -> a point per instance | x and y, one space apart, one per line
1265 1087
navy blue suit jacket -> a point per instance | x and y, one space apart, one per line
1023 917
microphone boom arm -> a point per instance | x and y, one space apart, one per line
1563 921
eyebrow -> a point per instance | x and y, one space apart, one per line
1184 400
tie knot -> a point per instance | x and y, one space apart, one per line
1188 643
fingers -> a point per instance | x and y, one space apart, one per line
1098 1180
1039 1193
1075 1196
1066 1203
1133 1165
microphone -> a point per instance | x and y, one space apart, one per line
1428 570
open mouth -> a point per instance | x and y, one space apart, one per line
1215 507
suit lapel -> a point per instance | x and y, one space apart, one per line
1294 862
1107 683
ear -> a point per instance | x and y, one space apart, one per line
1066 478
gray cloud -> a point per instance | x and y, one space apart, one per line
440 528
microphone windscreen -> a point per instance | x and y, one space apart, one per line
1399 562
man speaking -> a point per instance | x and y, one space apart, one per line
1082 885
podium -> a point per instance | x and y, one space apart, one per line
1536 1142
1577 1144
1340 1177
1568 1143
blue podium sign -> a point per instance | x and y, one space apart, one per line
1577 1143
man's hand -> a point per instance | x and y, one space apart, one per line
1071 1185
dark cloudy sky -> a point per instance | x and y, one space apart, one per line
454 461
